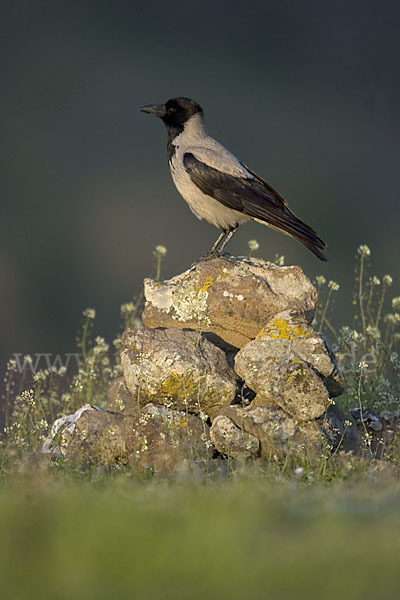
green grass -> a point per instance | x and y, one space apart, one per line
241 538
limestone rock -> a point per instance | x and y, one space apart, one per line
287 383
231 297
163 439
176 367
231 440
93 437
119 398
279 435
290 365
298 340
157 438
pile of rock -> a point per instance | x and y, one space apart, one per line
227 363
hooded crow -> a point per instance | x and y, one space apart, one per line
217 186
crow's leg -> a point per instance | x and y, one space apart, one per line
229 236
214 248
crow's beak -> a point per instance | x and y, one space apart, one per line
158 110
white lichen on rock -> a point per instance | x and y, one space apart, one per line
189 304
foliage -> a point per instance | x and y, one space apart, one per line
367 352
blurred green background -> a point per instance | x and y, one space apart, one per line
246 539
306 93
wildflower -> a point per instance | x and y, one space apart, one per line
391 318
120 404
367 438
387 280
332 285
11 365
373 332
279 260
203 416
363 250
100 346
320 280
363 365
375 280
89 313
253 244
40 375
28 396
396 302
127 308
144 418
348 423
299 470
160 251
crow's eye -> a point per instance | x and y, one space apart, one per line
171 110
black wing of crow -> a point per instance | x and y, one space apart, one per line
254 197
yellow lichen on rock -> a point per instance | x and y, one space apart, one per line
177 386
279 328
208 282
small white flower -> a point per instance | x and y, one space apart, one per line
89 313
363 365
40 375
320 280
387 280
373 332
253 244
332 285
127 308
391 318
28 396
203 416
279 260
299 470
160 251
375 280
396 302
363 250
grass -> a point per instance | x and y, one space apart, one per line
246 537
